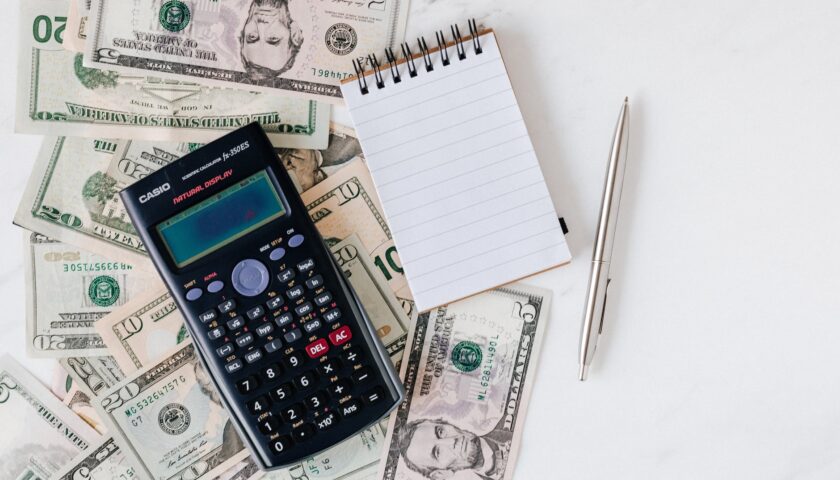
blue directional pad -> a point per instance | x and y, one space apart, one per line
249 277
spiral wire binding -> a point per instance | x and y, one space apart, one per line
393 63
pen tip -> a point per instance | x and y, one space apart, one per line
582 373
626 99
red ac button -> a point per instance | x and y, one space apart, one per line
342 335
317 348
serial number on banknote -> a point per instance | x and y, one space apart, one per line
155 396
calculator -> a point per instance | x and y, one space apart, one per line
284 338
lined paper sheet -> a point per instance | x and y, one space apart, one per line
457 175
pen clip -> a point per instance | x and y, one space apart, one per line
604 306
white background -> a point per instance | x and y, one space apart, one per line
720 356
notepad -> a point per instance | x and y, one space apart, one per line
455 170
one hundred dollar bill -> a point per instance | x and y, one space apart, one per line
346 203
40 434
140 332
93 375
169 421
101 461
294 46
79 402
57 95
68 291
468 370
71 198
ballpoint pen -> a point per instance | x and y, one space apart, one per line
596 297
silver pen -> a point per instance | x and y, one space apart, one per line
596 297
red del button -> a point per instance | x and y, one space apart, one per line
317 348
342 335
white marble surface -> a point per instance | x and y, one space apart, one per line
720 356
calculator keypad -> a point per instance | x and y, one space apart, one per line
278 333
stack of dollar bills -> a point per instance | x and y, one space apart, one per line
120 89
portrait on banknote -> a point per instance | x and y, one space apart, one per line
270 39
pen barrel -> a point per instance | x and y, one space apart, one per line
613 183
593 313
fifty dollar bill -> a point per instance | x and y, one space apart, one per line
57 95
468 371
294 46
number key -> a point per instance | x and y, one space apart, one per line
292 413
316 400
282 393
305 380
272 371
295 360
258 405
281 444
247 385
268 425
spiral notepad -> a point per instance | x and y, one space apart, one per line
454 167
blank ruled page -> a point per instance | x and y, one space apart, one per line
457 176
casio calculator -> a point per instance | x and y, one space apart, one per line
279 329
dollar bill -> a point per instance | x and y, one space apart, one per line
101 461
79 402
57 95
468 371
68 291
39 433
346 203
76 29
70 197
140 332
379 301
93 375
298 47
135 159
169 421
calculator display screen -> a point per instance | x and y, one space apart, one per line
219 220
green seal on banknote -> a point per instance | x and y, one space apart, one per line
466 356
174 419
174 15
104 291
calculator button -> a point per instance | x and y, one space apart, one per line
271 372
314 282
317 348
234 366
245 340
227 306
312 325
362 375
339 388
281 444
268 425
247 385
194 294
294 360
275 302
216 333
225 350
341 336
303 309
208 316
286 275
277 254
293 413
306 265
284 319
235 323
258 405
350 408
273 345
282 393
332 315
296 241
305 380
323 299
316 400
303 432
255 312
215 286
295 292
326 421
330 367
253 356
373 396
352 355
264 329
250 277
293 335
